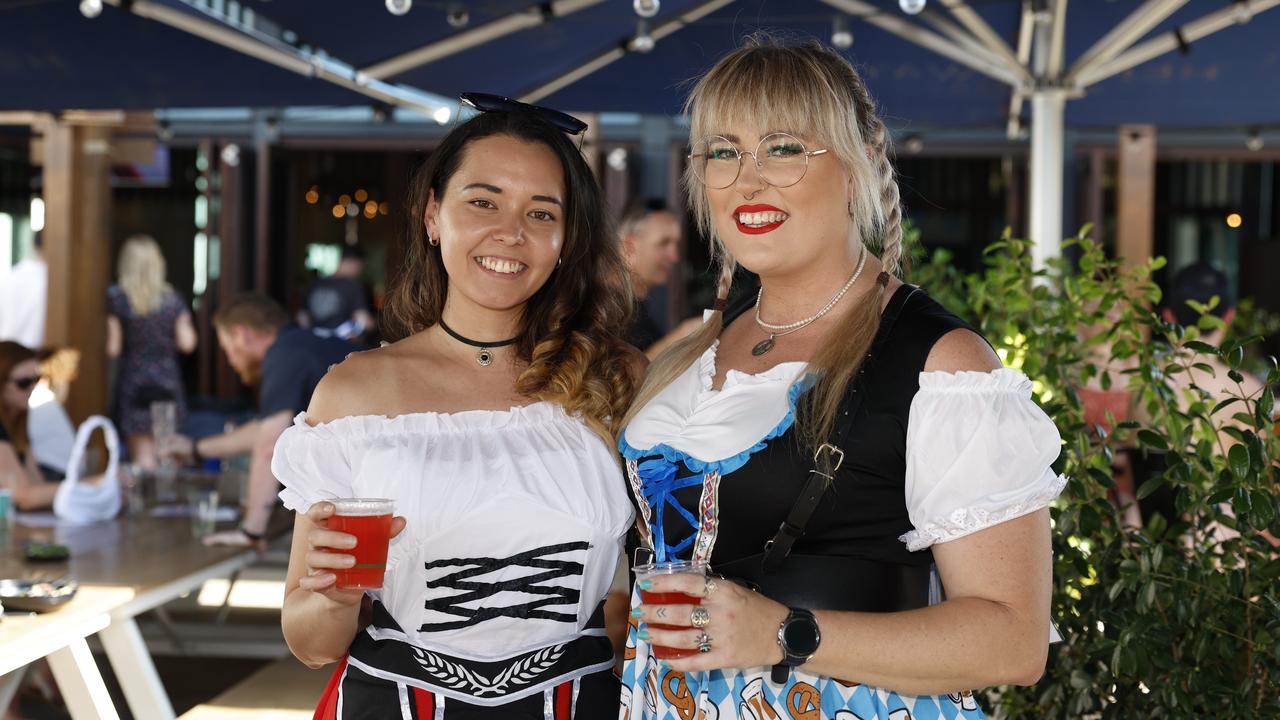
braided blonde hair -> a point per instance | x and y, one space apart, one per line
810 90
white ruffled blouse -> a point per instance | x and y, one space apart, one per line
978 448
476 487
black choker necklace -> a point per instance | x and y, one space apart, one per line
485 356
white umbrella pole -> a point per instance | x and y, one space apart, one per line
1048 106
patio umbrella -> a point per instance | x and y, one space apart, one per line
1019 64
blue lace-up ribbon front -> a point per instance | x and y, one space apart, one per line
659 484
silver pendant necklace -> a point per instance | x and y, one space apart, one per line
777 331
484 358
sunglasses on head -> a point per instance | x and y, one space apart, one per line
485 102
25 383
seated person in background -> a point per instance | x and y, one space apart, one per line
1201 282
287 362
50 430
338 305
32 482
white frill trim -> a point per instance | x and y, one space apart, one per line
435 423
972 381
966 521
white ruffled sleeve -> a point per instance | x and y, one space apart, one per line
311 462
978 453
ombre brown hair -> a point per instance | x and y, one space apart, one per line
812 91
572 328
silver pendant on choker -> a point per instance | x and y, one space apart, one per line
763 346
484 357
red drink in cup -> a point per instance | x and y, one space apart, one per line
369 520
650 597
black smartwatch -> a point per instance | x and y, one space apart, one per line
798 636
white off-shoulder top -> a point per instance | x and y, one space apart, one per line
482 492
978 448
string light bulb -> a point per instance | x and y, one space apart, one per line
841 37
91 8
643 41
646 8
1253 140
1243 13
457 16
399 7
911 7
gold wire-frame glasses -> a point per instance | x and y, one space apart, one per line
717 162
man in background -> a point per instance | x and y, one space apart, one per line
1200 283
338 305
22 299
287 363
650 236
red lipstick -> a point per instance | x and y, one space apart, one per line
738 211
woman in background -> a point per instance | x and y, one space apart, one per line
19 472
148 324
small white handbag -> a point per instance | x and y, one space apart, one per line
82 503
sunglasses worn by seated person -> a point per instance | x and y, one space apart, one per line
25 383
485 102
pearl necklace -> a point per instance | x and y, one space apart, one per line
776 331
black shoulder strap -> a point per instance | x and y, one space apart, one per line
828 458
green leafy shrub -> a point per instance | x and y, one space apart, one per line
1172 619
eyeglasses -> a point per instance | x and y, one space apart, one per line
25 383
485 102
717 162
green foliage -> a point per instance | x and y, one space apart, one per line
1253 321
1172 619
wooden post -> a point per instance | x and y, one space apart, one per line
77 247
262 270
1093 194
1135 193
233 249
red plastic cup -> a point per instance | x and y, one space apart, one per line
650 597
369 520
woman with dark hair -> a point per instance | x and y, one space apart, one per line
827 441
19 471
489 422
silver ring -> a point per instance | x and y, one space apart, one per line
699 617
703 638
708 586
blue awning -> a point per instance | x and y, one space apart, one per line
52 57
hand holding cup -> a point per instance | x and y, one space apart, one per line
347 547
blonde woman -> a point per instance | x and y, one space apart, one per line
829 440
148 324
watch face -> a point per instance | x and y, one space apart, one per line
801 636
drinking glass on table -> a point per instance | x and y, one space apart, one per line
164 427
651 597
204 510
